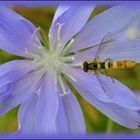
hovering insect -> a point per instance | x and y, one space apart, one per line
96 66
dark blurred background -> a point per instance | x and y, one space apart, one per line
96 122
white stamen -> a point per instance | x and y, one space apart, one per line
78 65
68 46
33 55
38 46
35 60
43 51
68 75
52 43
55 78
38 71
59 49
38 91
49 35
67 58
36 30
64 50
64 92
59 45
34 36
53 60
58 33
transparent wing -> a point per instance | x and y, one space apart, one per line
104 43
118 92
106 85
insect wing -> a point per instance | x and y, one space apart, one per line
104 43
106 85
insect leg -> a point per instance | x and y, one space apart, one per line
103 72
91 71
96 73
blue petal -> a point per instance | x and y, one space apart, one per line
20 92
87 55
15 33
72 19
128 117
26 115
90 86
121 95
47 106
125 50
73 114
44 108
13 71
113 20
61 121
41 113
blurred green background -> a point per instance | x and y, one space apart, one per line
96 122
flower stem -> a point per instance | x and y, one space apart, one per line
109 127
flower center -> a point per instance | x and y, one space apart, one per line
54 59
50 61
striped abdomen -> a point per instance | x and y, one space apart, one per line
107 65
117 64
123 64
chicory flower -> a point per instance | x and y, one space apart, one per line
38 83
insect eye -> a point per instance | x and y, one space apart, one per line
85 66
